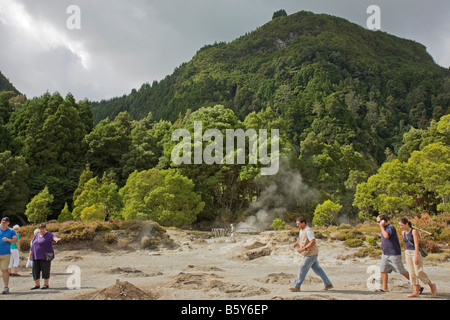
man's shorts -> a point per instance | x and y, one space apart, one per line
392 263
4 261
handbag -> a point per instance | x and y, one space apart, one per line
50 256
422 251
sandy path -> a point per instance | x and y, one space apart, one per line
214 269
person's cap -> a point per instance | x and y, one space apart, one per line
5 219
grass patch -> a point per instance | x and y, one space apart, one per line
353 243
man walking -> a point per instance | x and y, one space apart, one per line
391 259
308 247
7 236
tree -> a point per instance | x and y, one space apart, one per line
104 195
417 181
85 176
5 113
217 184
65 215
164 196
48 132
147 145
411 142
174 203
38 209
138 185
332 168
279 13
108 143
14 192
433 168
395 188
326 213
95 212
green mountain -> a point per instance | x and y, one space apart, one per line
305 66
5 85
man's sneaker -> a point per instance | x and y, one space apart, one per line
328 287
5 290
294 289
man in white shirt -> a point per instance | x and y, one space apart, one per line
308 247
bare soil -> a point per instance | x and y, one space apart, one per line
255 267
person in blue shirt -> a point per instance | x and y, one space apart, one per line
7 236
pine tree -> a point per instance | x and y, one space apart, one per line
39 207
65 215
14 191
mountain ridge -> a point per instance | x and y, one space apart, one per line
6 85
282 33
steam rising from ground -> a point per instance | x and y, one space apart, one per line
285 193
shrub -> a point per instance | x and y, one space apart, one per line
164 196
38 209
72 227
353 243
278 224
368 251
326 213
347 234
427 223
104 226
445 235
65 215
430 246
130 224
110 238
93 213
371 241
149 243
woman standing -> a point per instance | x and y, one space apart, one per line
41 253
414 259
15 255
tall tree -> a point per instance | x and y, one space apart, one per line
49 131
108 143
164 196
14 173
38 210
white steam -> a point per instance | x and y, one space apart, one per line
286 192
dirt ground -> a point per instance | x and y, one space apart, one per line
255 267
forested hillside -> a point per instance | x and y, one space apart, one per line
315 71
363 120
5 85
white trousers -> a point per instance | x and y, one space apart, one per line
416 272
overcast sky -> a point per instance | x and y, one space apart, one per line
125 43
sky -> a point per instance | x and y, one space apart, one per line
102 49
